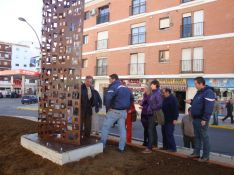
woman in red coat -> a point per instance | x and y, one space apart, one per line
129 123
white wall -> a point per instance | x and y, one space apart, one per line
22 55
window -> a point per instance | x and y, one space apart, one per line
164 23
103 15
138 7
17 65
192 27
102 42
5 63
137 65
164 56
7 55
184 1
32 81
85 39
84 63
192 60
25 65
17 49
86 15
138 34
101 69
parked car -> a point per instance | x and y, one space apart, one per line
29 99
15 95
1 95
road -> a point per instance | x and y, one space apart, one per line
222 140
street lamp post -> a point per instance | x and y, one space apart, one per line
24 20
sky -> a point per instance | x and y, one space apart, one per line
13 30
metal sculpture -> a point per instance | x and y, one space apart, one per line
59 110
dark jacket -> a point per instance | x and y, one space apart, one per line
155 101
118 97
97 101
86 104
145 105
170 109
229 107
203 104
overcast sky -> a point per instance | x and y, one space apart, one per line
11 29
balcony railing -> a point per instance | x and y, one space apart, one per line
101 71
102 44
192 30
137 38
137 8
102 18
137 69
184 1
192 66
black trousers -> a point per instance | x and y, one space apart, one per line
189 142
152 132
86 124
229 115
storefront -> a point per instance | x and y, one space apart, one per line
224 90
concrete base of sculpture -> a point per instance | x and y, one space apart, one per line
61 153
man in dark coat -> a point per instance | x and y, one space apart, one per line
171 114
87 100
229 107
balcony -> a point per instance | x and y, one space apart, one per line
192 30
137 9
137 38
192 66
184 1
137 69
102 18
101 71
102 44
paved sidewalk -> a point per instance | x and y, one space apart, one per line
223 125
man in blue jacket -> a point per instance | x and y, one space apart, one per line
117 100
202 108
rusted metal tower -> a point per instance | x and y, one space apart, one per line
59 113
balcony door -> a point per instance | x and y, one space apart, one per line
187 25
198 23
102 40
137 65
186 60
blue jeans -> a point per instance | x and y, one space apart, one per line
111 117
152 133
201 138
168 136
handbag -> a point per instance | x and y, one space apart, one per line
134 116
159 117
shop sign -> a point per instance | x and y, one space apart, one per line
215 82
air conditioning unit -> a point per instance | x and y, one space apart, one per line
93 12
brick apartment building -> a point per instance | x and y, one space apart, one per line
22 58
5 56
173 41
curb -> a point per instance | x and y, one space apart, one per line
222 127
181 155
26 109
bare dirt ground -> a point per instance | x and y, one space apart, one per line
15 160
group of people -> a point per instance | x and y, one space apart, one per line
159 107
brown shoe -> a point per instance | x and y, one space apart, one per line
147 151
